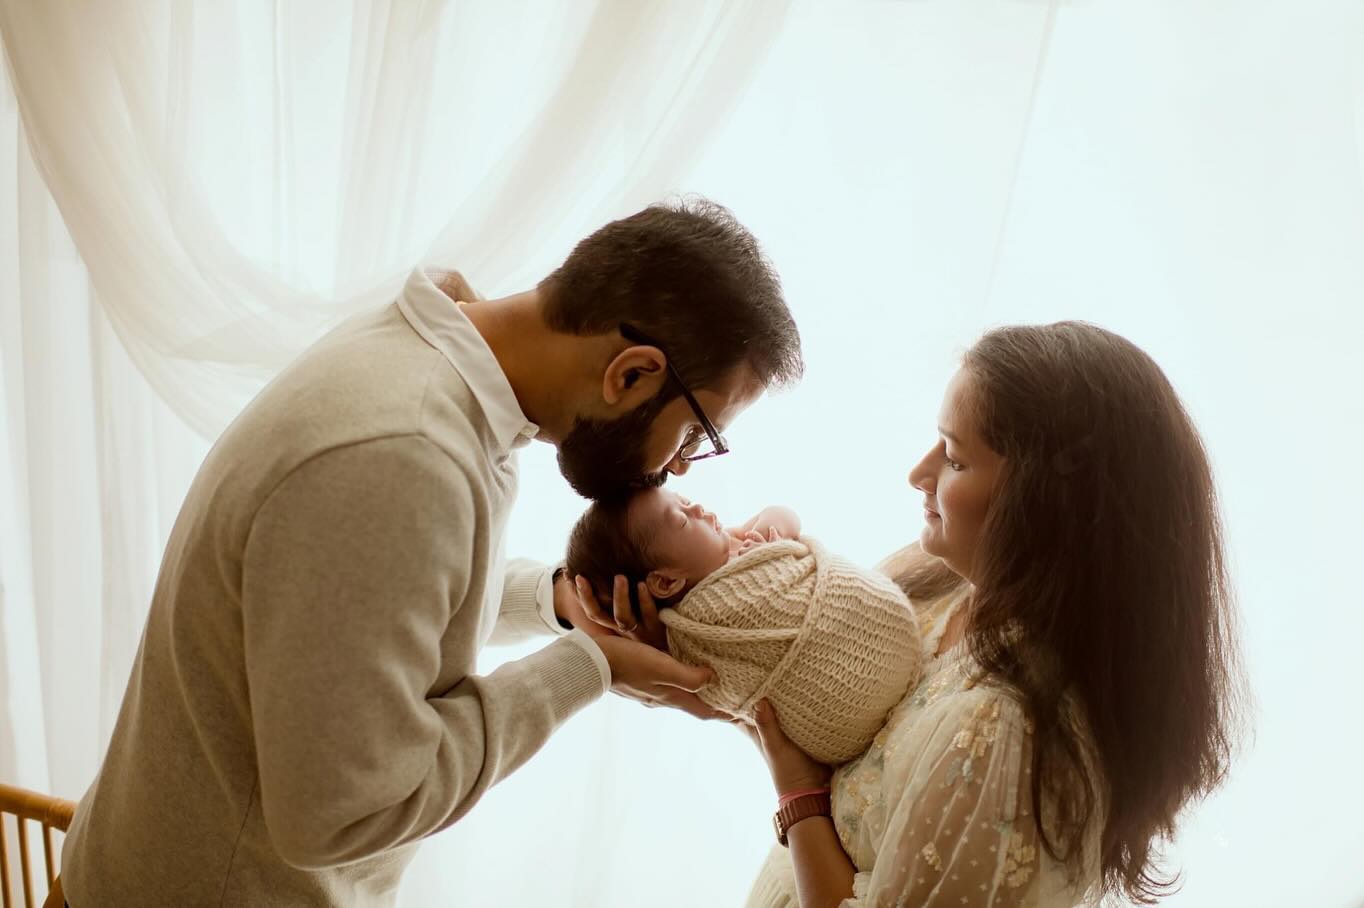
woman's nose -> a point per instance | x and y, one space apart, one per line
921 478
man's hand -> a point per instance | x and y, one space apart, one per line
654 678
568 605
618 616
641 669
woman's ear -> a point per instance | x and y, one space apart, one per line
663 585
635 375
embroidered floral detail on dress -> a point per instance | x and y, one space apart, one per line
980 730
958 769
931 856
1018 861
974 731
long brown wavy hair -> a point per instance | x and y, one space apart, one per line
1101 582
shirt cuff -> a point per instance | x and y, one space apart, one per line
544 601
527 608
592 649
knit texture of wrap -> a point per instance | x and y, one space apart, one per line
831 645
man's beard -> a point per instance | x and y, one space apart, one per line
604 459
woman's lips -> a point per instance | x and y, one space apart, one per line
931 514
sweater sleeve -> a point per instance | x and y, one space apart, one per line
356 566
527 609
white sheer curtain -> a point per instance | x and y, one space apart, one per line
199 189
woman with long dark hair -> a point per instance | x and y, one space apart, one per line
1085 685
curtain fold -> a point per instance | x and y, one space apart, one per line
332 199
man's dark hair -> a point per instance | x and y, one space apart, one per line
689 275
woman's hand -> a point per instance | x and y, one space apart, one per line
824 872
792 768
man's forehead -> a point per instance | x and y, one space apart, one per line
723 410
731 398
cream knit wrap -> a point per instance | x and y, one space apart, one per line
832 646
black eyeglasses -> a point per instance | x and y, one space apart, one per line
699 444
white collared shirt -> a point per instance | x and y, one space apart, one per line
441 323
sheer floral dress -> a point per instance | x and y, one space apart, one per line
938 811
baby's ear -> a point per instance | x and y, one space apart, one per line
664 586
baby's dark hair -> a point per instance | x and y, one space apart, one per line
601 546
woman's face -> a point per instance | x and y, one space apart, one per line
683 539
958 477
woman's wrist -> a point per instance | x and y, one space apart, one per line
810 775
784 798
824 872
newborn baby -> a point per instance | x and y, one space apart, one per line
833 646
666 541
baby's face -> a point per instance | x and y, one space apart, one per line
682 538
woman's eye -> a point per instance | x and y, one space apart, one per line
951 464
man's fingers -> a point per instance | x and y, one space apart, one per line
620 600
587 600
671 673
693 704
652 630
648 608
640 672
660 673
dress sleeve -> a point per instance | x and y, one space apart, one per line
963 833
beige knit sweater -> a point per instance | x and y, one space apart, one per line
831 645
303 708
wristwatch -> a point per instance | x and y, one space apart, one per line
801 808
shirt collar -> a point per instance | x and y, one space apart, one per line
444 326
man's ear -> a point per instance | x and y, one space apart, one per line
663 586
635 375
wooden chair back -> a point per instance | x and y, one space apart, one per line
49 813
